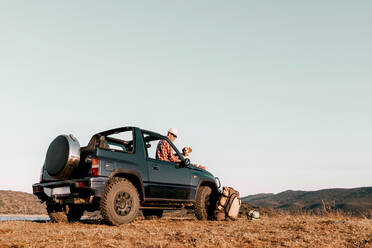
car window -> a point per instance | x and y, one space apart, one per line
122 141
126 135
118 147
151 143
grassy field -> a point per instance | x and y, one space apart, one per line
327 228
282 230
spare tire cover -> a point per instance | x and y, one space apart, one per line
62 157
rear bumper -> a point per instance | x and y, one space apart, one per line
73 189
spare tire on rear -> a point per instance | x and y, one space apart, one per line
63 157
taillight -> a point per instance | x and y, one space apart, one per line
37 189
80 184
95 167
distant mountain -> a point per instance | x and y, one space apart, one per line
356 201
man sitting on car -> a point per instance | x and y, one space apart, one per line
164 150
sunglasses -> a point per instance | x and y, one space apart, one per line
173 135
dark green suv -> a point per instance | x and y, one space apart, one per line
118 174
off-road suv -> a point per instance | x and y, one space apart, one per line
118 173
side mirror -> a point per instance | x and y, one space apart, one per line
186 162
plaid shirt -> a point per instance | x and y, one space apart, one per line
164 152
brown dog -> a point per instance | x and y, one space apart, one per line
186 152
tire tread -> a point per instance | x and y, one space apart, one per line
106 212
201 212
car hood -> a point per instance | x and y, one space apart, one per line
201 170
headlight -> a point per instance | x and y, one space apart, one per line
218 182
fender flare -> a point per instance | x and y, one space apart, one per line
209 182
132 176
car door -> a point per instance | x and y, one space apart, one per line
168 180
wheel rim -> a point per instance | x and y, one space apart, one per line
123 203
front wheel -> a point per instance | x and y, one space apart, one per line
205 203
120 202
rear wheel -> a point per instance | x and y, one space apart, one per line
205 203
150 214
120 202
56 212
59 213
74 212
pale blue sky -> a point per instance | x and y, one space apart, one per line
270 95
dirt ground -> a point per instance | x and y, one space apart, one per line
274 231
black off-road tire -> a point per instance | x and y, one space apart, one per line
74 212
59 213
56 213
205 203
120 202
151 214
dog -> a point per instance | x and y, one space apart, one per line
186 152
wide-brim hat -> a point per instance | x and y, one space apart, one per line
173 131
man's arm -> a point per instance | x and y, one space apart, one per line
173 158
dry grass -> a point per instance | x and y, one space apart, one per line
326 227
334 230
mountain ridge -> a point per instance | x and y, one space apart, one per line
354 200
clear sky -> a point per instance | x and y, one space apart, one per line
271 95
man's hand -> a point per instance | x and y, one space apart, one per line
178 160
